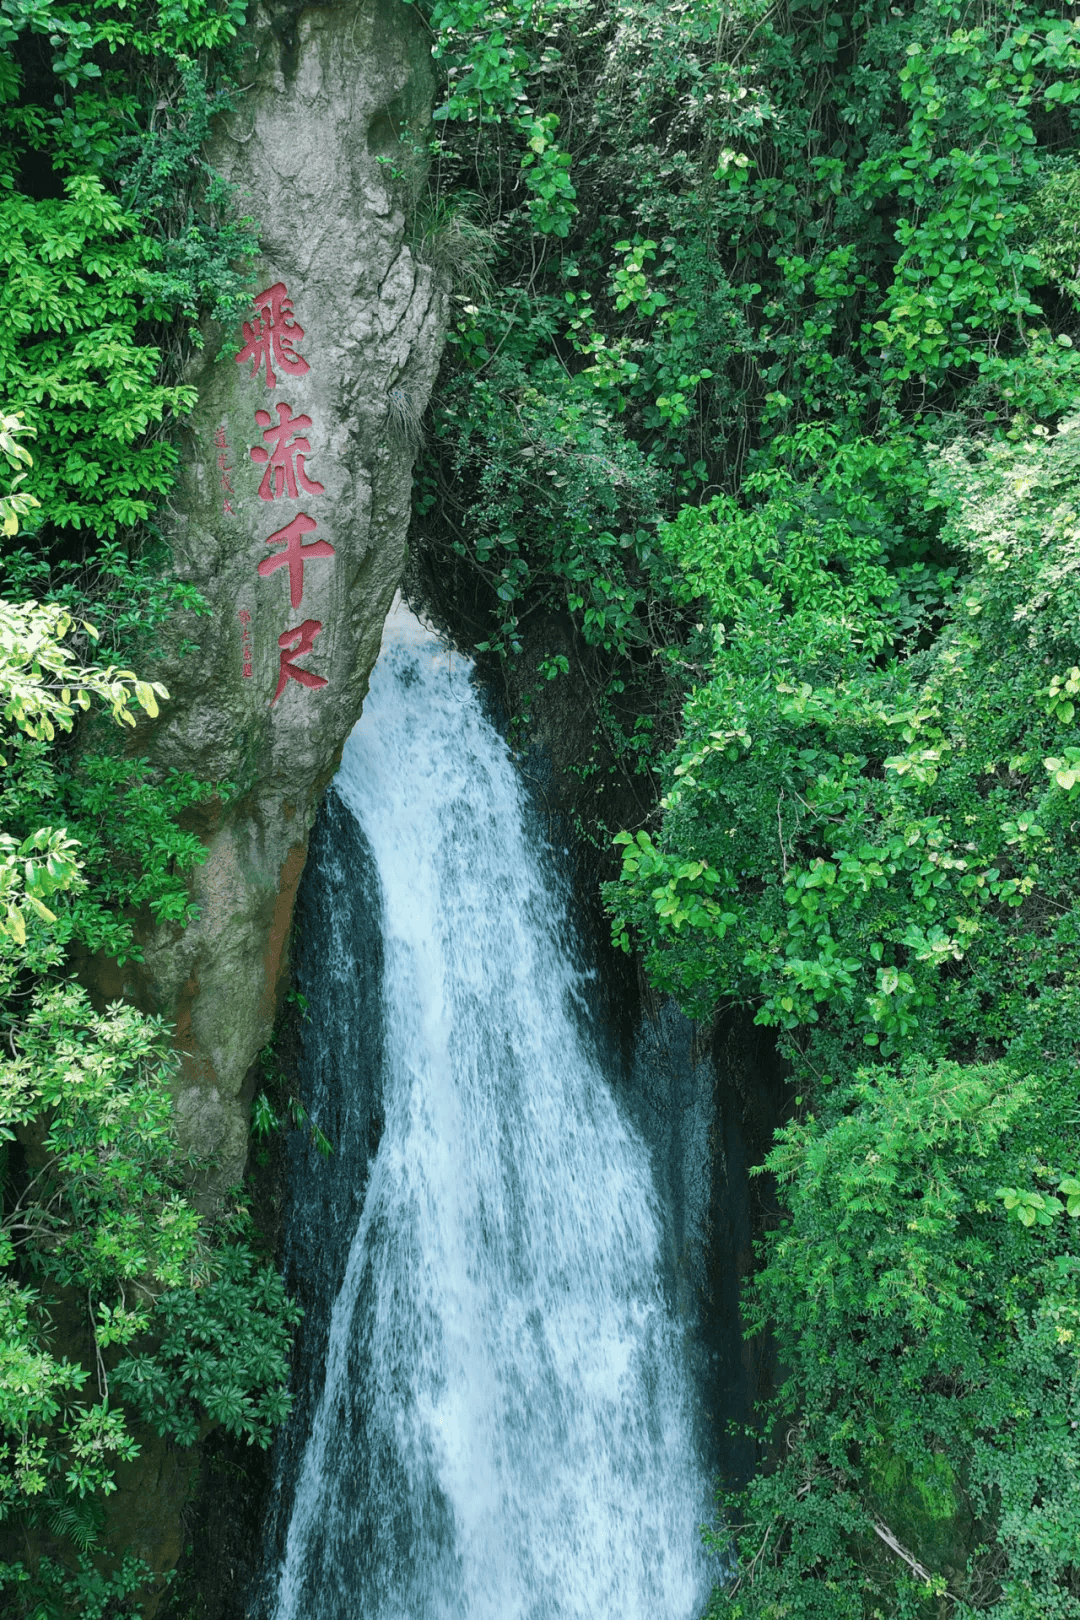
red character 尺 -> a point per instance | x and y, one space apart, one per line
296 554
285 461
294 644
271 338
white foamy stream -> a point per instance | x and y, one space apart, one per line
505 1431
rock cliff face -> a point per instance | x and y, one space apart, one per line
291 514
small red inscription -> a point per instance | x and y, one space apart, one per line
294 644
295 555
285 461
245 641
270 339
224 470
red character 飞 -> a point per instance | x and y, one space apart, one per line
294 644
296 554
285 461
271 338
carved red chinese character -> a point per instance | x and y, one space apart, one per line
285 461
296 554
294 644
271 338
219 438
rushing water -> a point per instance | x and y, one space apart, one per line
504 1431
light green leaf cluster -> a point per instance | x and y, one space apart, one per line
41 682
14 506
42 686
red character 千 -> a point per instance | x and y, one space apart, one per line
272 336
294 644
296 554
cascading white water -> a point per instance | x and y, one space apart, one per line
504 1431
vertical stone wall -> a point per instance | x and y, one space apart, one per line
291 514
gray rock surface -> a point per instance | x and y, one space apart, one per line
338 358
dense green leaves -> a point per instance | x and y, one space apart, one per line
932 1349
116 239
223 1353
820 288
94 1212
869 835
112 231
74 289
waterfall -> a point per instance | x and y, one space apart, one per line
504 1428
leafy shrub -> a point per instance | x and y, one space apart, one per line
223 1353
873 842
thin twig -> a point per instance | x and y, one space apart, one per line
890 1541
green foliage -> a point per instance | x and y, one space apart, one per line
276 1106
131 850
932 1348
117 240
559 503
75 289
487 61
54 1592
14 506
869 834
792 226
792 213
113 232
101 1214
962 274
896 811
223 1352
102 1205
43 685
782 426
94 1207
